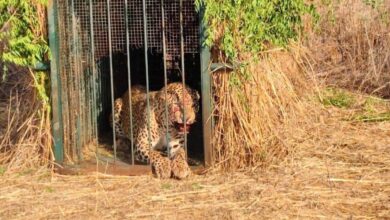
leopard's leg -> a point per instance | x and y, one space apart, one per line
179 165
177 154
121 138
161 165
118 110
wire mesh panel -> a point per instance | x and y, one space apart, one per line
106 44
135 13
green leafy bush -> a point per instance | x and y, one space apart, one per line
21 37
236 26
337 98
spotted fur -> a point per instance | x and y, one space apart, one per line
176 100
179 165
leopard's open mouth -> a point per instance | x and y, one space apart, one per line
181 127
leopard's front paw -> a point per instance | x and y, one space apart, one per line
161 168
180 168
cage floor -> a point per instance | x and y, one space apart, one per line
104 161
106 152
118 168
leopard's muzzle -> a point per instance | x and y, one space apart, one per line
182 128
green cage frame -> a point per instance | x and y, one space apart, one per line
56 94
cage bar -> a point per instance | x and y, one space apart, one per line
207 120
94 77
129 80
146 69
56 96
183 72
165 72
75 83
111 78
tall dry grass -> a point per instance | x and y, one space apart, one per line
25 136
253 119
25 133
350 46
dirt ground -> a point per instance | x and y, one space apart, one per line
340 170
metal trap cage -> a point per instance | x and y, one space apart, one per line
100 49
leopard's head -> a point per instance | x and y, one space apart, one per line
183 105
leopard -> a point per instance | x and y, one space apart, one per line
159 125
179 165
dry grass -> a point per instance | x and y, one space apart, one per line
25 138
323 159
351 45
340 169
252 115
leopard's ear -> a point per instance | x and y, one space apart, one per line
195 95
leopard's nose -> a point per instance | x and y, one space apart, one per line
189 119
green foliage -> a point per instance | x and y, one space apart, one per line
166 186
23 40
370 104
371 117
237 26
42 85
23 43
337 98
373 110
